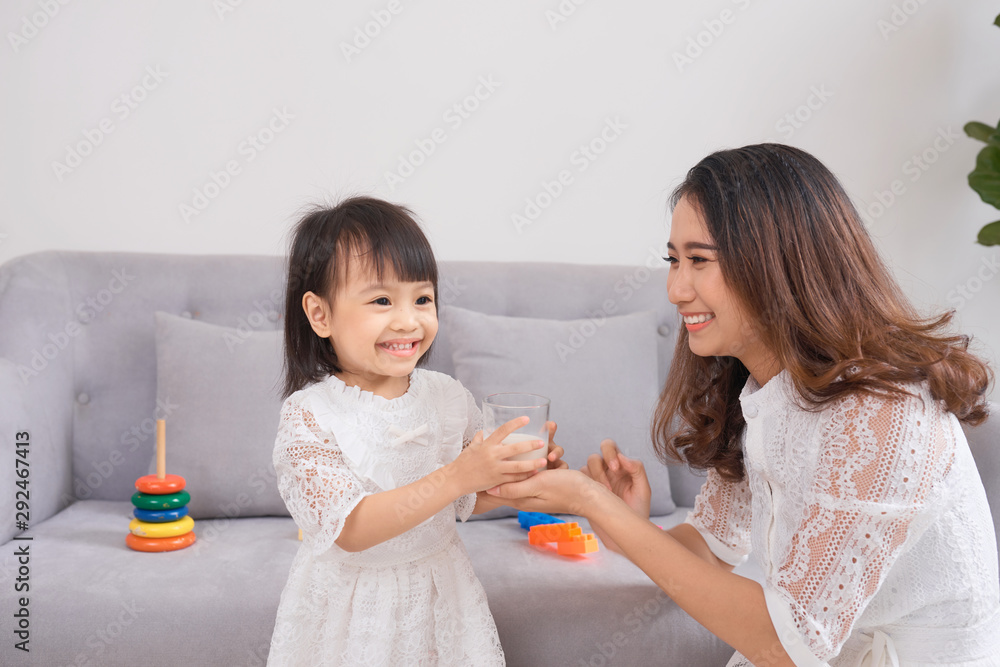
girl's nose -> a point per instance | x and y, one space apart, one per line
405 319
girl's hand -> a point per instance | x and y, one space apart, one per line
482 464
624 477
560 491
556 452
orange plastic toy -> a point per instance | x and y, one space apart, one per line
569 538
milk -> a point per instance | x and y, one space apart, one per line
527 456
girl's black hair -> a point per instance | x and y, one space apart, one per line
385 236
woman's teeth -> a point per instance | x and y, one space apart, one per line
698 319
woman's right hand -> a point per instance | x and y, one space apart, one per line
624 477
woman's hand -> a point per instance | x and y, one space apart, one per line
482 464
556 452
558 491
624 477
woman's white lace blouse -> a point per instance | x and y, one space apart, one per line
871 525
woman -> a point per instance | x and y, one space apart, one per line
827 415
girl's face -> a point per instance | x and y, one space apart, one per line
379 330
716 324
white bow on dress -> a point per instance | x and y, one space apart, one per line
417 436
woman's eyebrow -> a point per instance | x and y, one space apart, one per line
693 245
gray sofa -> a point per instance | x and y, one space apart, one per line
78 375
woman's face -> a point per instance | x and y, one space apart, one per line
716 324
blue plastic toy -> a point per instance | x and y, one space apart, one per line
529 519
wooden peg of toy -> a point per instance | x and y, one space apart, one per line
161 448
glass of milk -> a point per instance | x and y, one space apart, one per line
498 409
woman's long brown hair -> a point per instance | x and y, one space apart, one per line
795 254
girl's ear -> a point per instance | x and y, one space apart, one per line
318 313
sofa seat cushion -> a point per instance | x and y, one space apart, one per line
94 602
598 609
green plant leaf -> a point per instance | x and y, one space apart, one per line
996 21
985 178
980 131
990 234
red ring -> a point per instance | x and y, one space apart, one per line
156 486
156 544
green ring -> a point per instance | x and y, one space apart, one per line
167 501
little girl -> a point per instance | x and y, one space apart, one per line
375 458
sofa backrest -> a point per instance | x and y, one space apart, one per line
77 338
78 357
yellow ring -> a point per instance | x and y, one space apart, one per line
168 529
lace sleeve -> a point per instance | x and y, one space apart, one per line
318 488
475 420
467 503
722 515
879 461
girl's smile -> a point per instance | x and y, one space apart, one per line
406 347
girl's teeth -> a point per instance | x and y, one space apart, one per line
698 319
397 346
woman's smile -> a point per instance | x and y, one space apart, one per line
697 321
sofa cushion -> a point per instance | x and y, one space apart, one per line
601 376
225 384
93 601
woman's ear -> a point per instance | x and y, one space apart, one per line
318 313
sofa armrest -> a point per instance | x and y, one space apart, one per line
36 389
984 441
49 460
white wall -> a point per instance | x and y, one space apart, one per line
888 95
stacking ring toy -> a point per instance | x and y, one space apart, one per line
161 520
154 544
171 529
145 501
155 485
159 516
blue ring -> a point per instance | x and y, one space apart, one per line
160 516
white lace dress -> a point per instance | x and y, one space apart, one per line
871 524
412 600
